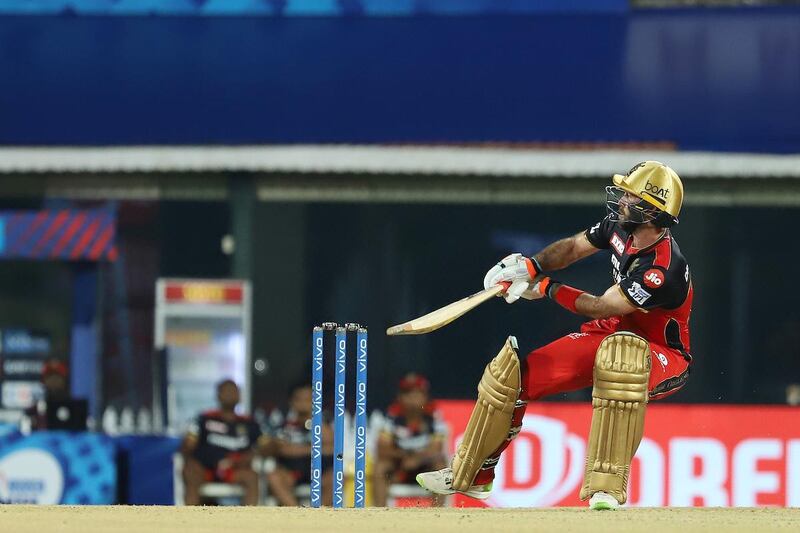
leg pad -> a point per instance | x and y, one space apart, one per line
619 399
490 423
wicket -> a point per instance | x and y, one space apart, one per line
317 366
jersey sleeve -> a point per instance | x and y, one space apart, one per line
648 287
599 234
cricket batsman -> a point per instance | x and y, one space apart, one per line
635 348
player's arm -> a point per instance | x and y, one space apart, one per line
192 437
265 445
612 303
387 449
564 252
519 271
188 444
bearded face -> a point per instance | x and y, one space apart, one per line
628 209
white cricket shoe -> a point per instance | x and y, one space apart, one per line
602 501
441 482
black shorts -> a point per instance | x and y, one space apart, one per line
300 467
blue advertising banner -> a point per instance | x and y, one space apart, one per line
325 8
698 79
57 468
24 342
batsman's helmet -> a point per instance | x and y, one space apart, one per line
657 185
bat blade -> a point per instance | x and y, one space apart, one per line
443 316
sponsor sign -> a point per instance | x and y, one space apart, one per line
214 292
55 467
691 455
25 368
21 394
24 342
30 476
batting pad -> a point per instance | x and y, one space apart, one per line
619 399
490 421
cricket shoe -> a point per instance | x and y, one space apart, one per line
602 501
441 482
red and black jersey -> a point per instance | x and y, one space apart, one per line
219 437
293 428
413 436
655 279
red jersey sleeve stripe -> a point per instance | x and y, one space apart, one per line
663 252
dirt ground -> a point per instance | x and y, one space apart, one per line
124 519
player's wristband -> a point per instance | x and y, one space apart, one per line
563 295
534 268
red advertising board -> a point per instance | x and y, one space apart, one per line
691 455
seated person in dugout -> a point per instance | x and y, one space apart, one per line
292 450
56 389
219 447
412 440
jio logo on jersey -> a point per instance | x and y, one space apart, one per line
654 278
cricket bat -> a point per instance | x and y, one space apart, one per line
441 317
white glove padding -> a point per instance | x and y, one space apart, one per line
517 289
512 268
532 292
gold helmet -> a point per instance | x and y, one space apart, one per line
656 184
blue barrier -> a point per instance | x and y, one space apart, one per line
145 468
57 467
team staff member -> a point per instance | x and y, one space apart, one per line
219 447
292 450
56 388
412 440
635 349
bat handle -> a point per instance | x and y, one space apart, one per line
506 285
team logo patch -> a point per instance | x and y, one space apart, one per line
654 278
617 243
638 293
